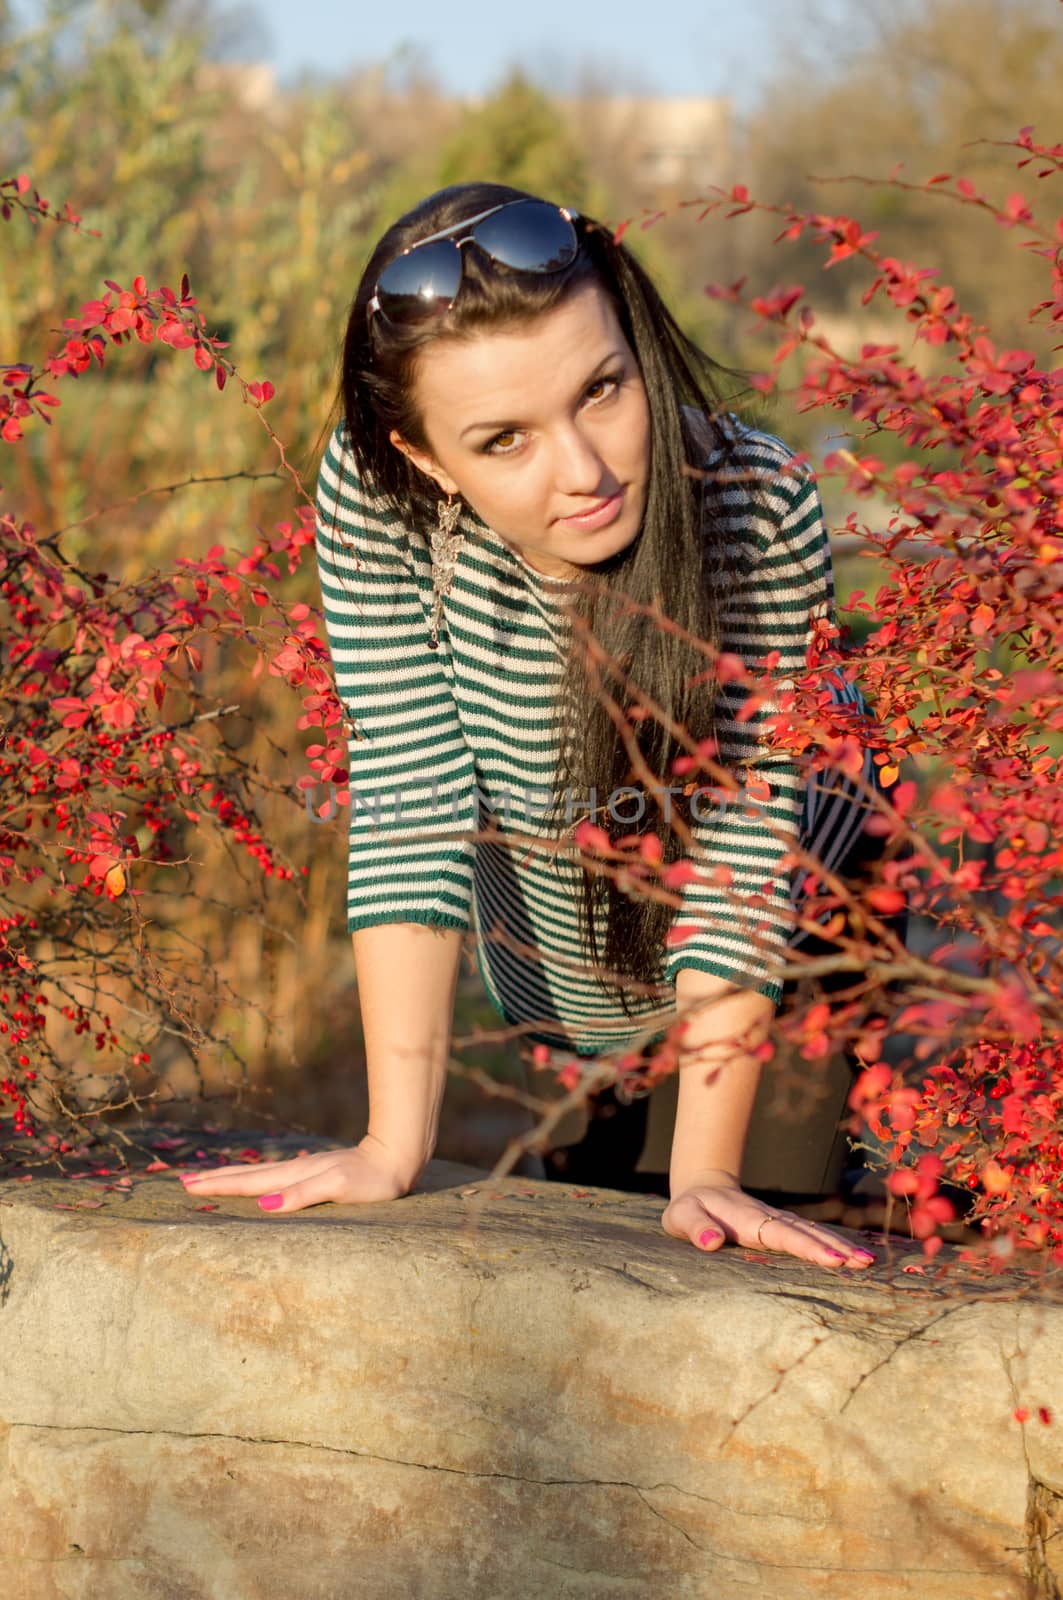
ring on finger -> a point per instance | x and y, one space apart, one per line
775 1216
769 1217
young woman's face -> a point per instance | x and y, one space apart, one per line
534 425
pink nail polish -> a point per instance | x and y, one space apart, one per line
270 1202
708 1235
836 1255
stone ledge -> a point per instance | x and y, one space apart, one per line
526 1390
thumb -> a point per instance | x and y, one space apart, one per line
687 1217
707 1233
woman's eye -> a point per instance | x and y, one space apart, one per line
489 447
612 379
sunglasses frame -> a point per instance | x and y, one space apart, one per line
438 307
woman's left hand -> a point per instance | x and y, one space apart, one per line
715 1213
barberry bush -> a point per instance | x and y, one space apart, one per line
958 444
121 799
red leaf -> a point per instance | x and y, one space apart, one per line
589 837
816 1017
730 667
872 1083
903 797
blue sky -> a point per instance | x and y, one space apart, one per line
694 47
671 48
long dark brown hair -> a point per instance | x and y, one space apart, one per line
675 562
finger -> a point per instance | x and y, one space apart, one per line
809 1243
233 1177
307 1192
686 1218
230 1180
199 1173
781 1235
250 1179
852 1255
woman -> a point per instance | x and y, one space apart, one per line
519 414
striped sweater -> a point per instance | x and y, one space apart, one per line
443 741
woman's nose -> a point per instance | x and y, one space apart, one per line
578 468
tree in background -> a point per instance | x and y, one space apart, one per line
926 83
516 137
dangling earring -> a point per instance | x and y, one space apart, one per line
445 546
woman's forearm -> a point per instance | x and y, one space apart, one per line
718 1077
407 980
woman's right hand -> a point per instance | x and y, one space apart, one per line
366 1171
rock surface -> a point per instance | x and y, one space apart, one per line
497 1390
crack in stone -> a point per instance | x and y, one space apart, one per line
569 1566
642 1490
898 1345
78 1555
833 1326
856 1318
757 1563
1044 1506
482 1280
642 1283
396 1461
651 1507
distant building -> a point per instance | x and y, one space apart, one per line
252 86
676 143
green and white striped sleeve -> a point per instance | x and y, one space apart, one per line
411 773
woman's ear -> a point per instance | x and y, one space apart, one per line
425 463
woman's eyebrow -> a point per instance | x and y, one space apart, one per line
613 355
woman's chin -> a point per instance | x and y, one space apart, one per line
597 549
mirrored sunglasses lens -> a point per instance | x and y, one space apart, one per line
533 237
416 285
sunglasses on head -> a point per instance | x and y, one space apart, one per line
525 235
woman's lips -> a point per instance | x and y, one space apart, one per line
600 515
